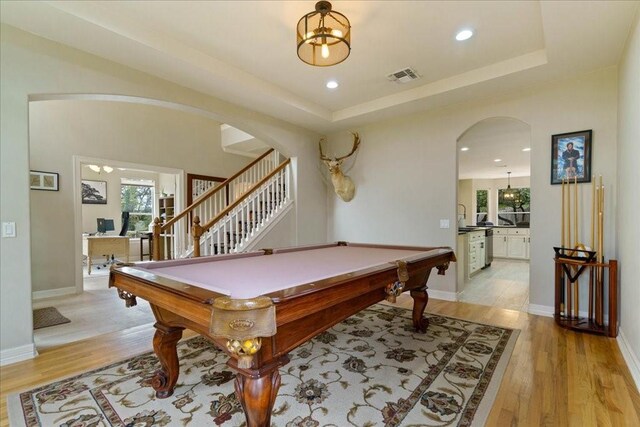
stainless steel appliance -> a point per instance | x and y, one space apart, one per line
488 247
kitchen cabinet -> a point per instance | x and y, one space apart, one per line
499 245
475 252
511 243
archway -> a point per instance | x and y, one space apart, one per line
127 134
494 208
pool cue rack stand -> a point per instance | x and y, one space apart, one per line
570 265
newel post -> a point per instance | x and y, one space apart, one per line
157 227
197 232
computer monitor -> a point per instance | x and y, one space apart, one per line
105 225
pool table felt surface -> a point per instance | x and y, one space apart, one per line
252 276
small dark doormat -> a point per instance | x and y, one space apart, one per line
48 316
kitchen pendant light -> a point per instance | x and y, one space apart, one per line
509 193
323 36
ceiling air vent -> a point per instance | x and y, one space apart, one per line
403 76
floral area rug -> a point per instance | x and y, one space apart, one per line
370 370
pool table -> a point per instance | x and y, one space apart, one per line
259 306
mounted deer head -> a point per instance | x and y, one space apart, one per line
342 184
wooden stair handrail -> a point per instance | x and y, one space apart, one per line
212 191
225 211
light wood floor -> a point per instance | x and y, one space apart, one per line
554 378
89 312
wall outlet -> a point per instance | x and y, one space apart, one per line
444 223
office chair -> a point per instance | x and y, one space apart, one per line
125 224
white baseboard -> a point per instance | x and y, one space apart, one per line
541 310
443 295
630 357
53 293
18 354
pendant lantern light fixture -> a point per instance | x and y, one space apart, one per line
509 193
323 36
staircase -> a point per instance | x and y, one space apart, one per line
231 216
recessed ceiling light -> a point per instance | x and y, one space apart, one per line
332 84
464 149
464 35
497 160
526 149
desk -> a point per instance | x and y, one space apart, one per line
259 306
107 246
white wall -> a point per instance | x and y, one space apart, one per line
34 68
406 171
628 200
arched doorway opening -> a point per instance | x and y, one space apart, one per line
494 209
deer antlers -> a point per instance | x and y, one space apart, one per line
356 144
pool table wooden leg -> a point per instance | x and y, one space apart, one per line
257 391
164 345
420 299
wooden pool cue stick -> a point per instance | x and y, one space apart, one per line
569 306
575 213
576 243
562 244
591 289
592 283
593 211
599 273
569 244
601 252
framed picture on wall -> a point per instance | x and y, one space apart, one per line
94 192
47 181
571 157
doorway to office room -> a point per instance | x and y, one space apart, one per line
494 208
118 203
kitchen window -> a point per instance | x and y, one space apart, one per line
482 206
515 211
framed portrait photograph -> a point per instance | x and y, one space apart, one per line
94 192
571 157
47 181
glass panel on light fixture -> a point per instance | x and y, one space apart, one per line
323 36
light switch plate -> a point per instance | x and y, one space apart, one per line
444 223
8 229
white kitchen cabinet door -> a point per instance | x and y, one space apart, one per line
517 247
500 246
